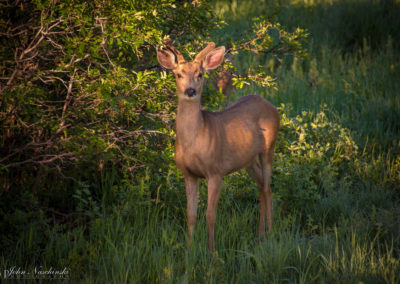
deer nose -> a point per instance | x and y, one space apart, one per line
190 92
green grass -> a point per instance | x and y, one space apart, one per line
335 182
140 244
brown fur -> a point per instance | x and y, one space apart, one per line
211 145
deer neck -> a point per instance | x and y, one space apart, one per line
189 120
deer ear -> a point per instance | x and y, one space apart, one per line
167 58
214 58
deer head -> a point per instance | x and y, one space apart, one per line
190 75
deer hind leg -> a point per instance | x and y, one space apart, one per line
255 172
260 171
266 165
192 198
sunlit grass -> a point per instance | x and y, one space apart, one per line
149 245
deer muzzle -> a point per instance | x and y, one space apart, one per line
190 92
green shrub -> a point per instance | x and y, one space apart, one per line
312 155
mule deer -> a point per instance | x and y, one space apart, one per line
211 145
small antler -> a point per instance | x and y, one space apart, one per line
205 51
179 56
168 45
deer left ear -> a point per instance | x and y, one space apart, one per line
214 58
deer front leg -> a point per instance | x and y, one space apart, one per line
214 190
192 197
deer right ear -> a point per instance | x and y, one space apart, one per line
167 58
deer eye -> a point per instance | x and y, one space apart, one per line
179 75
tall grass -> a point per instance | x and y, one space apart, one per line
147 244
336 177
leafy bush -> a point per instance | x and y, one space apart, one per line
312 159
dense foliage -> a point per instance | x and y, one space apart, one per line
82 88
